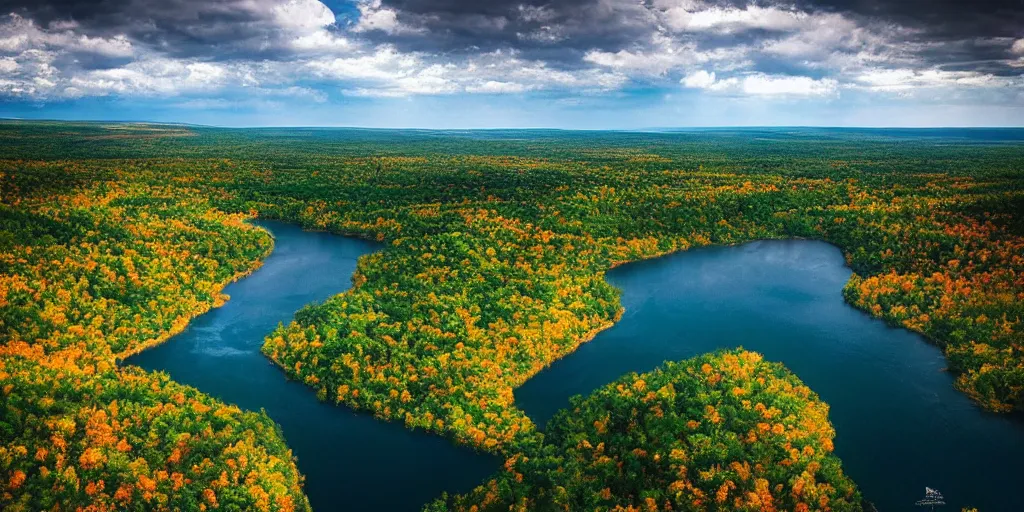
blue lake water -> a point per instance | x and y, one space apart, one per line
351 460
900 424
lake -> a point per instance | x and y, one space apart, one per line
351 460
900 424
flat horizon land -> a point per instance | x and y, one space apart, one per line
487 295
651 129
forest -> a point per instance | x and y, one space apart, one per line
496 245
720 431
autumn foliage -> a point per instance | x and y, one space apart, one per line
92 273
725 431
495 251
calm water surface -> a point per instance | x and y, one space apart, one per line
351 461
900 424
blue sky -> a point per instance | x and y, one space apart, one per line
563 64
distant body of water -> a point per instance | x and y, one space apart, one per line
351 461
900 424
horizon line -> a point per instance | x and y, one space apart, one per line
510 128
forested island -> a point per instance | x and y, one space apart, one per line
114 236
721 431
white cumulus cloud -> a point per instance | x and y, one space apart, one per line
775 85
698 80
761 84
662 55
374 16
731 19
19 34
303 14
1018 47
8 65
910 79
387 72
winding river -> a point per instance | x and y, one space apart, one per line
900 424
351 461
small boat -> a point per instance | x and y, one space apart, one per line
932 498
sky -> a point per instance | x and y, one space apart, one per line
584 64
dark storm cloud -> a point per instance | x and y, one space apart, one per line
571 26
962 35
981 55
599 19
225 29
945 19
969 35
398 47
121 15
558 30
947 32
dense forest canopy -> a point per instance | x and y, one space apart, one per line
720 431
112 236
